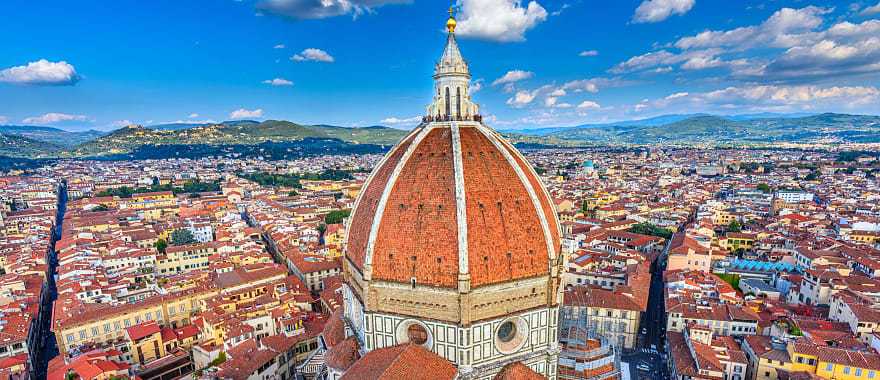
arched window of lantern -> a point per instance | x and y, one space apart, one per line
458 102
447 101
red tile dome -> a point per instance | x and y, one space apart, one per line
453 200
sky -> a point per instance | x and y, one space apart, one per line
105 64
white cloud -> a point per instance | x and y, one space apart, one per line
790 94
561 9
588 53
498 20
849 30
53 117
662 58
313 54
872 10
522 98
121 123
790 46
401 121
513 76
477 85
41 72
193 115
279 46
315 9
587 104
4 119
242 113
278 82
824 59
702 62
659 10
768 98
783 28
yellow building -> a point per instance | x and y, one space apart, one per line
738 240
184 258
157 199
768 358
839 364
104 324
866 237
145 342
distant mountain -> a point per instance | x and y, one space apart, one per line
830 128
52 135
246 132
179 126
658 120
20 146
707 129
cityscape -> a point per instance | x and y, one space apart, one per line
728 234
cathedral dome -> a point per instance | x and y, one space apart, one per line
453 246
453 201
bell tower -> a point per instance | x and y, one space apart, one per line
452 100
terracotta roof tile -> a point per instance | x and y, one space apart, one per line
407 361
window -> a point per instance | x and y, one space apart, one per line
829 367
846 370
416 334
858 372
507 331
870 374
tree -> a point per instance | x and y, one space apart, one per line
652 230
161 245
101 207
764 188
182 236
734 226
221 358
812 176
732 279
336 216
321 228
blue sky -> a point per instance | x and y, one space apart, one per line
99 64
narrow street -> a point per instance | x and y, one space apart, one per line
648 360
46 346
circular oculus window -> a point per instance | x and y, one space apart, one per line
413 331
511 335
416 334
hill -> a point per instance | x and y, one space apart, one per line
20 146
827 128
128 139
51 135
